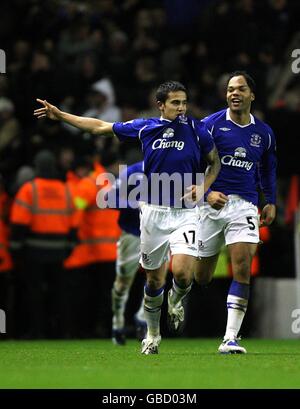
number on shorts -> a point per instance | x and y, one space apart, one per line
193 233
250 222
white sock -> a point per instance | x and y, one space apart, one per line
152 310
177 293
140 314
236 308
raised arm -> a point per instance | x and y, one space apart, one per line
92 125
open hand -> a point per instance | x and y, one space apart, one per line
48 110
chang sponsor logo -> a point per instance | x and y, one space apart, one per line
234 161
165 144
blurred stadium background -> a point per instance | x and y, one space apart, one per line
104 58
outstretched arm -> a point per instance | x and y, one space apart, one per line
92 125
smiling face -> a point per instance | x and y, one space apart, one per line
239 95
174 105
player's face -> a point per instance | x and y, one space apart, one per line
239 95
174 105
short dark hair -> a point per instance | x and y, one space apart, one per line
168 86
250 81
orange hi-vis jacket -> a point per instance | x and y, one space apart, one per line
42 219
98 229
5 257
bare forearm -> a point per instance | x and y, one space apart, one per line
212 169
92 125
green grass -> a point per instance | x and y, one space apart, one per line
181 363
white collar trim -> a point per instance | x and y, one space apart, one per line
228 118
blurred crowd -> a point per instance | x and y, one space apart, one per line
105 58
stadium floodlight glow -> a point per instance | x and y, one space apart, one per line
2 62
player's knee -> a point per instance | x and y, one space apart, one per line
203 274
122 284
203 280
183 280
242 265
154 283
242 270
242 276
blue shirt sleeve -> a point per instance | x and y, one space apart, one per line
268 169
129 129
206 141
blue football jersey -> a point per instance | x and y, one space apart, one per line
247 155
169 147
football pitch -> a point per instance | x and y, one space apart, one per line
181 363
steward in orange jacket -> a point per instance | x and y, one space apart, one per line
98 229
91 266
42 216
42 226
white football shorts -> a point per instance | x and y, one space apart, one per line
167 230
128 254
236 222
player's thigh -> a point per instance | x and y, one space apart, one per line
128 255
156 278
242 253
205 268
154 238
183 239
183 267
243 225
210 232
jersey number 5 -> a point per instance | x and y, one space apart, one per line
193 235
250 222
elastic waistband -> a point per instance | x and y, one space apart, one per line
235 197
168 208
